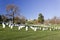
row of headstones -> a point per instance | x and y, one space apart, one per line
40 28
12 25
33 28
45 28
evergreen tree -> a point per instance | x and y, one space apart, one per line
40 18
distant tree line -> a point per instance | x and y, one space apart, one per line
13 15
18 20
54 20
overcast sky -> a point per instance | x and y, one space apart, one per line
31 8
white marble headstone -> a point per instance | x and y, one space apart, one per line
32 28
19 28
11 26
40 28
43 29
3 25
26 28
35 28
50 29
6 23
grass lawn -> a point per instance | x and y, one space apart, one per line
14 34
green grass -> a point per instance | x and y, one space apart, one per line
15 34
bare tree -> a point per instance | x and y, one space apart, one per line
12 11
20 19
